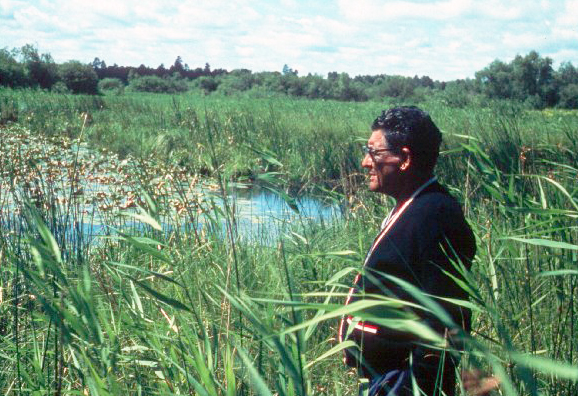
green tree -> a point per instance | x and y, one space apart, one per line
529 79
396 87
317 87
78 77
458 93
237 80
177 67
287 70
569 97
42 70
12 73
533 77
111 85
567 74
292 84
99 67
271 81
567 80
207 83
60 88
495 80
157 84
347 89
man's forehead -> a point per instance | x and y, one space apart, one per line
377 138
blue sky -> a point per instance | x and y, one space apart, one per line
444 39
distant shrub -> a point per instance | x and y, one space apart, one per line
78 77
569 97
60 87
12 73
453 96
207 84
157 84
534 102
111 85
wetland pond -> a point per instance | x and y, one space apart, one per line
95 192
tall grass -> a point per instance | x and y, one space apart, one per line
155 308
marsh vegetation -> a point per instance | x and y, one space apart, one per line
158 305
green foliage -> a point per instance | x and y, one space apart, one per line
236 81
569 97
338 86
111 85
12 73
458 94
207 84
495 80
157 84
530 79
32 70
397 87
60 88
567 74
188 311
78 77
42 71
534 76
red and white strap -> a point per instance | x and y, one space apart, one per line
386 226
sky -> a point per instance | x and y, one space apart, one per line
443 39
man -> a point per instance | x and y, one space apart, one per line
426 242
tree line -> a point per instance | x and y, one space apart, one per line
530 79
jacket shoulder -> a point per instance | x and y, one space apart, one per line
436 201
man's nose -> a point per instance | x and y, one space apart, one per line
366 161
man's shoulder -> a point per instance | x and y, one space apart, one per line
436 200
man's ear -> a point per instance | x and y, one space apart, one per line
407 159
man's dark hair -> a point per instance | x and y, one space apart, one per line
413 128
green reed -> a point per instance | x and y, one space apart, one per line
152 310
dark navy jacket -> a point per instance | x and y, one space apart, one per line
424 241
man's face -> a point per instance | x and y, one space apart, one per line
383 167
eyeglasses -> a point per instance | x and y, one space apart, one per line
373 152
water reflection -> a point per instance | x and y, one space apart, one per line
263 215
88 193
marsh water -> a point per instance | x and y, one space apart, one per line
96 192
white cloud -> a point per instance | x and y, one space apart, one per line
444 39
281 40
570 15
374 10
292 4
32 17
564 55
497 9
215 48
566 34
7 7
525 40
245 51
440 10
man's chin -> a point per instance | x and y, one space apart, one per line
374 187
